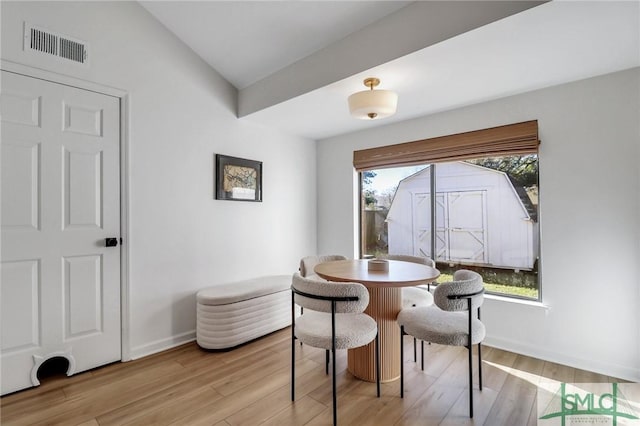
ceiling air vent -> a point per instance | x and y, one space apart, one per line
55 44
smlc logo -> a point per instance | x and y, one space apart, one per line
581 407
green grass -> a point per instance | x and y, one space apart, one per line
509 290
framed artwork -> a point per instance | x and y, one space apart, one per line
238 179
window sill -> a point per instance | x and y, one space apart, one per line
534 303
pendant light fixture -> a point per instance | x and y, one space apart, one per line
373 104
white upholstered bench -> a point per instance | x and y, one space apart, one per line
234 313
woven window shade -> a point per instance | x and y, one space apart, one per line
512 139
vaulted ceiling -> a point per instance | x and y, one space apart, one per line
295 63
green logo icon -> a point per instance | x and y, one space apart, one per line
589 405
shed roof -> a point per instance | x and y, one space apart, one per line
518 189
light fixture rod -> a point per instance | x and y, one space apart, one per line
371 82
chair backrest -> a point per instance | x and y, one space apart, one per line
328 289
407 258
464 282
309 262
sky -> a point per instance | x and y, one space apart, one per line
388 178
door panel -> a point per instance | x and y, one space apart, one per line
19 108
21 172
60 287
442 220
421 214
82 189
21 280
82 119
422 226
82 295
467 217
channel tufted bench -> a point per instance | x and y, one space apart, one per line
234 313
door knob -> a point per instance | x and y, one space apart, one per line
110 242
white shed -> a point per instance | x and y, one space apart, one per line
481 217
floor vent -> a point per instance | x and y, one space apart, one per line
44 41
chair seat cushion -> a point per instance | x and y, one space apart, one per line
416 296
352 330
432 324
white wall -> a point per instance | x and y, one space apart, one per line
589 217
182 113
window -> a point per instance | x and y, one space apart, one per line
483 217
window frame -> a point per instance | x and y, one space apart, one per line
508 140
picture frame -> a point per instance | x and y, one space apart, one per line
238 179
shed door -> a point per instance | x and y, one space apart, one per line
466 226
460 226
422 226
60 285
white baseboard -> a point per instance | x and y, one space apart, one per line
606 368
162 344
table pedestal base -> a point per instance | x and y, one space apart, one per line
384 305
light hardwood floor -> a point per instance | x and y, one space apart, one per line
250 386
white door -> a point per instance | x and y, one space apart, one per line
466 226
422 226
461 218
60 284
421 213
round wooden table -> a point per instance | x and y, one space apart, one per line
385 302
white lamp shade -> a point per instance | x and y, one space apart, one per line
382 103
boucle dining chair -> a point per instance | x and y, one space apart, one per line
333 319
419 295
307 264
446 324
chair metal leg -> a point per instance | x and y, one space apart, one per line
415 356
326 363
378 364
293 367
333 367
470 381
335 400
479 356
293 350
480 365
470 347
422 354
401 362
